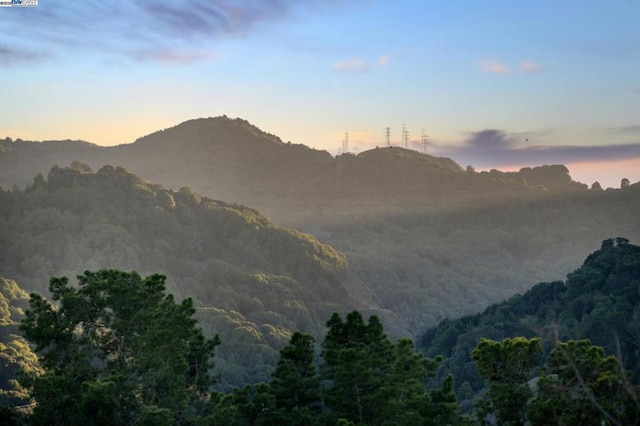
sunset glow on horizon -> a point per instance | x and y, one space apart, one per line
492 86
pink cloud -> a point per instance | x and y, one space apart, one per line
174 56
382 61
494 67
351 65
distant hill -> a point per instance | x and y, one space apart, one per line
232 160
253 282
598 301
427 238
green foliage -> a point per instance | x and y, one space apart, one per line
15 354
599 301
508 362
507 366
230 259
296 384
579 385
582 386
374 381
356 356
116 349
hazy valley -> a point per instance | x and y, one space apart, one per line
270 238
428 238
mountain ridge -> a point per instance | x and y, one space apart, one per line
241 139
426 238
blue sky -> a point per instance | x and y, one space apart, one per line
494 84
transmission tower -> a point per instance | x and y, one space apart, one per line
405 137
425 138
345 143
387 136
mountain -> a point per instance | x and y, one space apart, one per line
232 160
598 301
426 238
253 282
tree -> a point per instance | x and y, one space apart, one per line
116 349
357 356
296 384
80 166
374 381
624 183
16 355
596 186
582 386
507 367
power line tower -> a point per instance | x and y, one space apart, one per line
405 137
345 143
387 136
425 142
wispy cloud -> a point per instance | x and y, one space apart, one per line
498 67
351 65
359 65
495 148
382 61
132 28
10 56
494 67
174 57
531 67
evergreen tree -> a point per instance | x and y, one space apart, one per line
376 382
116 350
357 358
582 386
296 384
507 367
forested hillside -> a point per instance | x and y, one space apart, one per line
252 281
117 349
598 301
428 238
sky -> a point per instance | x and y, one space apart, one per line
492 84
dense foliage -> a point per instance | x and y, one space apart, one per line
577 385
599 301
15 353
116 350
363 379
252 282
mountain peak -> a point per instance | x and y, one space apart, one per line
219 130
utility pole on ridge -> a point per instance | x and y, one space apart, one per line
424 142
405 137
345 143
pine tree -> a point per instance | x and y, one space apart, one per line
117 349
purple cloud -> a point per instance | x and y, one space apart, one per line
10 56
495 148
133 28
